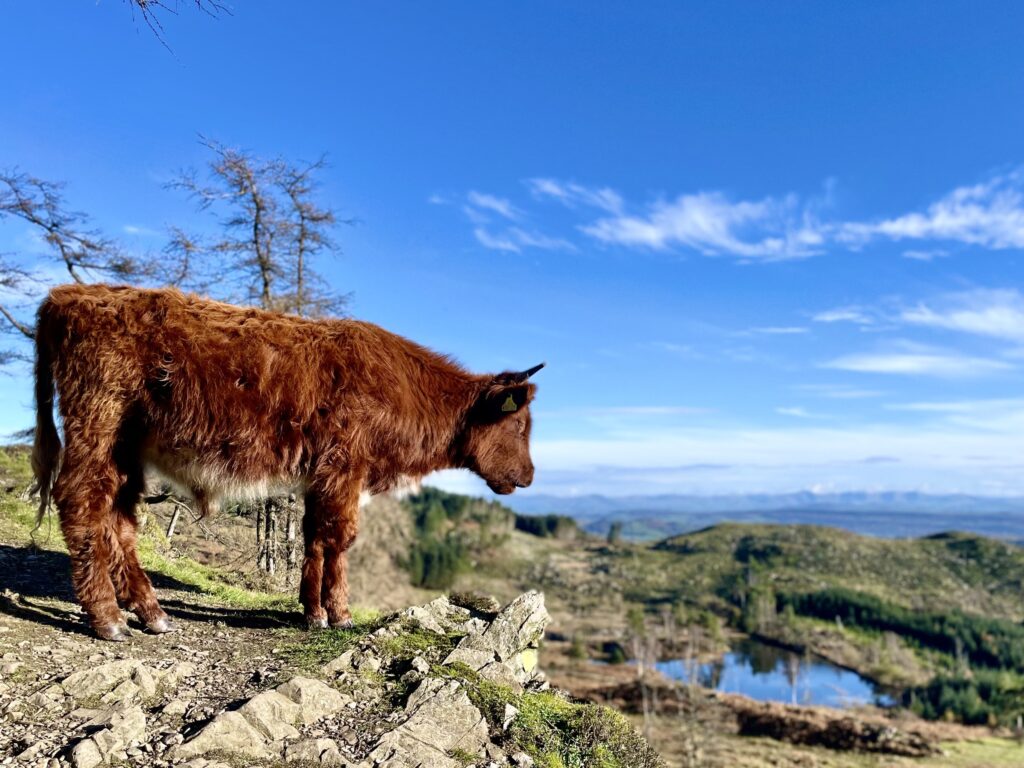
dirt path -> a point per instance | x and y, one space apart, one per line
44 638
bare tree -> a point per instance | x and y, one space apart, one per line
69 236
271 227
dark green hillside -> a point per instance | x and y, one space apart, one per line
944 572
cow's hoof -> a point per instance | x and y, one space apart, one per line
161 626
316 623
116 633
343 624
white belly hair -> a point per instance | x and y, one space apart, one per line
209 483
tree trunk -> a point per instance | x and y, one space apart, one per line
290 533
174 521
270 536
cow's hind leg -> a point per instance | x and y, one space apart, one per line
330 525
312 570
134 588
84 494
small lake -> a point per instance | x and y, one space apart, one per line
767 673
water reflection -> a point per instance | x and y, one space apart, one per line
766 673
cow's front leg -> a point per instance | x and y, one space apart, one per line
330 525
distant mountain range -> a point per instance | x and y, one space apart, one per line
888 514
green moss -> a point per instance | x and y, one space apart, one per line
462 757
317 648
555 732
416 642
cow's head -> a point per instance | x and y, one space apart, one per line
496 443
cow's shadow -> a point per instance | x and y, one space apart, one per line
32 579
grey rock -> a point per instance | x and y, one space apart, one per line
125 692
341 664
439 615
273 714
439 718
229 732
175 708
170 679
315 698
522 760
506 650
508 717
143 678
101 679
123 727
86 754
322 751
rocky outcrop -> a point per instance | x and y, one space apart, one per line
414 673
447 684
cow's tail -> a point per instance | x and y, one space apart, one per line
46 452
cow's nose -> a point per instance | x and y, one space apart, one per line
525 479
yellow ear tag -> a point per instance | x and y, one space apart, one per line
509 405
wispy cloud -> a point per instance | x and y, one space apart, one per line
855 315
910 359
572 194
797 412
990 214
515 239
780 330
839 391
495 242
711 224
133 229
498 205
931 255
993 415
995 313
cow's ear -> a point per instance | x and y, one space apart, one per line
501 400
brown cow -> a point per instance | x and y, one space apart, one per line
231 402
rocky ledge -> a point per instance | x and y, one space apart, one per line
449 684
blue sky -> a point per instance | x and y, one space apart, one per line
762 246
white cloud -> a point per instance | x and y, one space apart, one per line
571 194
935 457
132 229
993 415
498 205
844 315
916 360
917 255
495 242
839 391
515 239
995 313
990 214
537 240
711 224
780 330
797 412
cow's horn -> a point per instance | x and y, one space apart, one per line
529 372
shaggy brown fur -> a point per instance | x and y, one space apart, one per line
225 402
